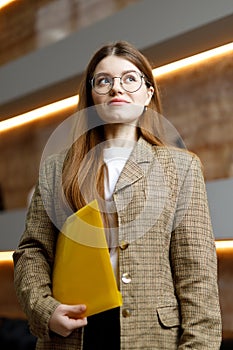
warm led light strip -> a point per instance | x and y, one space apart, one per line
72 101
224 244
6 256
170 67
38 113
5 2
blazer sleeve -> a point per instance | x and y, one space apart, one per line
33 260
194 265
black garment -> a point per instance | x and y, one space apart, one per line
103 331
15 334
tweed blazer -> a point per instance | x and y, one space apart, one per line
167 255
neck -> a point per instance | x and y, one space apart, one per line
120 135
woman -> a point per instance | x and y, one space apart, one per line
154 206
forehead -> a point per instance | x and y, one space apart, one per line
114 65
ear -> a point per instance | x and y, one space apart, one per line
150 93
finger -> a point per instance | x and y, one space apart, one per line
75 310
74 323
77 322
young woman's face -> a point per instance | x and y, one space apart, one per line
118 105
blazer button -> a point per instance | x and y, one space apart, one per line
126 278
124 245
126 313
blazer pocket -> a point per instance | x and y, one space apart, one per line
168 316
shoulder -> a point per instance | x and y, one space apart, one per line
180 156
180 153
177 162
50 173
53 162
170 158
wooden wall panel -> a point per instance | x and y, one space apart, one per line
29 25
225 282
198 101
20 154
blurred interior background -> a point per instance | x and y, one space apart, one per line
45 46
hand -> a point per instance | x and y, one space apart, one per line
67 318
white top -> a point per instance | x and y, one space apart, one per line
115 159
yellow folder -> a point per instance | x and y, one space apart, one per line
82 272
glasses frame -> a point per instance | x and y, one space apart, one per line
142 77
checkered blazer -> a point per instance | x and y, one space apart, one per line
167 256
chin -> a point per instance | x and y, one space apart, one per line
126 114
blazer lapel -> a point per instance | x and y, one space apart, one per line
137 164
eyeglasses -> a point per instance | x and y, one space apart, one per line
130 81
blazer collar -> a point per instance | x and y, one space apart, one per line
137 165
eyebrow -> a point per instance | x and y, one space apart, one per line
124 72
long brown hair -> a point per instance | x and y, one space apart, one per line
83 180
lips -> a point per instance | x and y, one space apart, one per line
117 102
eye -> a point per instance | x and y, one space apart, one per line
131 77
102 80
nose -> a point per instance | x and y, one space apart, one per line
116 84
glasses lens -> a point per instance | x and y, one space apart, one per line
102 84
131 81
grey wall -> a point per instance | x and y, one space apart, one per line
12 225
220 196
